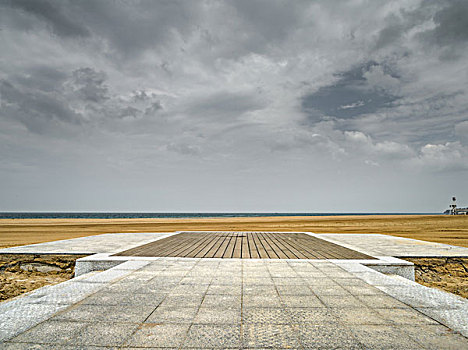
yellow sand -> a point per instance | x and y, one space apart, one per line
434 228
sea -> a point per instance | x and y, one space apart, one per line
145 215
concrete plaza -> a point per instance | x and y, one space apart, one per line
197 303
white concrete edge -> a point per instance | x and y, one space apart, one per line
398 286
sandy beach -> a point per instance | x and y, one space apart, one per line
435 228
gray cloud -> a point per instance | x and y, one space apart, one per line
350 96
451 24
35 109
51 12
89 84
236 102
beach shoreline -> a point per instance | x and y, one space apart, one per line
434 228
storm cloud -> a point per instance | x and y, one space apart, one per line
217 105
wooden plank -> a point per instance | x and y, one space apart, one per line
245 245
207 241
230 248
280 243
269 249
238 247
215 247
245 252
222 249
276 249
209 246
252 246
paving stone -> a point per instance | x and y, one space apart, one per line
250 300
301 301
326 337
436 337
259 290
117 313
103 298
383 337
218 315
51 332
158 335
104 334
121 287
266 315
363 290
289 281
213 336
405 316
222 301
260 281
224 289
294 290
332 290
359 316
29 346
381 301
186 300
23 317
340 301
315 316
269 336
173 314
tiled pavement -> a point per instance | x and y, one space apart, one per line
222 304
385 245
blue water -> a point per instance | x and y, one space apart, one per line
98 215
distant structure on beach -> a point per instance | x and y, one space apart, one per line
453 210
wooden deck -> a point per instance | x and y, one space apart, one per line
244 245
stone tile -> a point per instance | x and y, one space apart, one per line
120 287
359 316
51 332
224 289
340 301
436 337
383 337
109 313
289 281
276 336
173 314
160 287
350 282
263 281
326 337
265 315
301 301
331 290
381 301
222 301
227 280
185 300
158 335
250 300
29 346
363 290
259 290
405 316
24 316
104 334
103 298
294 290
218 316
316 316
213 336
190 289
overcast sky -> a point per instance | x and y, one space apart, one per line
292 106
